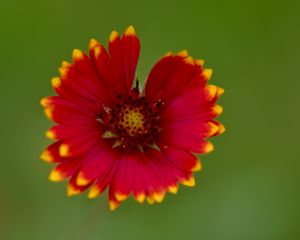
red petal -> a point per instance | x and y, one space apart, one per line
186 120
63 111
104 67
169 77
124 55
124 176
80 145
67 93
157 77
171 172
99 162
191 141
183 159
131 51
82 78
105 175
63 132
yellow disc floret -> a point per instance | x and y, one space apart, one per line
133 121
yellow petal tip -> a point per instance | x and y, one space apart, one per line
212 90
81 180
209 147
72 191
158 196
97 51
64 150
94 192
44 102
130 31
199 62
183 53
207 73
113 205
51 135
173 189
220 91
77 55
56 176
168 54
120 196
213 129
46 156
140 197
113 36
48 112
65 64
190 182
189 60
197 167
56 82
217 109
63 71
93 43
222 129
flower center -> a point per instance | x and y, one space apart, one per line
132 123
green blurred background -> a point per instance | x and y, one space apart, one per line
249 187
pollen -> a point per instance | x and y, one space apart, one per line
132 121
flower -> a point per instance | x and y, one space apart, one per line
112 134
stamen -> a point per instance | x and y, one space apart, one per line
117 144
108 134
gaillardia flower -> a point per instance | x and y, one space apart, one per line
111 133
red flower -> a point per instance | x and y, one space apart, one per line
112 135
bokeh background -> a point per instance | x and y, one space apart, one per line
249 187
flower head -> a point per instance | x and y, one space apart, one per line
111 133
